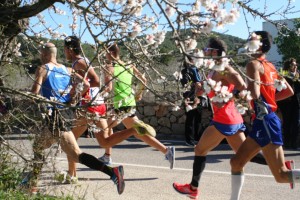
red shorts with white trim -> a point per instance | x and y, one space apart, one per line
99 109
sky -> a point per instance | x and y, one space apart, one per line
239 29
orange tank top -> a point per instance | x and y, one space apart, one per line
267 88
228 114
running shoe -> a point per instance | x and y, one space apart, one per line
143 129
25 181
64 177
25 184
170 156
71 179
186 189
117 178
105 159
290 165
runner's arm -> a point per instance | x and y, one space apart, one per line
252 70
82 66
141 84
235 78
77 78
109 71
40 73
283 94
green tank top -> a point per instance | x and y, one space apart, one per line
123 92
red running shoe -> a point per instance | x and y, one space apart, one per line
186 189
118 178
290 165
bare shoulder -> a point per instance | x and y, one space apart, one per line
109 68
81 64
41 70
230 70
70 70
254 65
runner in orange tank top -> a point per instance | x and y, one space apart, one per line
266 131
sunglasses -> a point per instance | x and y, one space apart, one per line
206 49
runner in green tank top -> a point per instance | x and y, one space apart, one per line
123 92
120 75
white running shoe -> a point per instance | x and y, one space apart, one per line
64 177
105 159
170 156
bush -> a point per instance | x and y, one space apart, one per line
11 177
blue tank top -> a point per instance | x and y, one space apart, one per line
57 85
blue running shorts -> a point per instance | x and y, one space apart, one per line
267 130
228 129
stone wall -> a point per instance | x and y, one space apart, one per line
160 115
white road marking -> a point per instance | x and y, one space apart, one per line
179 169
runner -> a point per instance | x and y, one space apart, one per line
227 122
120 77
94 112
266 133
53 81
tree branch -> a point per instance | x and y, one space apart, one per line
25 11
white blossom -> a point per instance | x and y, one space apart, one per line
136 30
223 95
190 44
196 6
170 11
241 109
221 64
245 94
205 2
194 20
209 63
162 79
55 35
177 75
217 86
138 10
127 9
280 84
206 87
208 26
73 26
123 25
150 39
220 13
154 27
175 108
198 57
94 129
232 17
79 88
253 43
38 35
160 36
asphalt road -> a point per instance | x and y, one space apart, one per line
148 177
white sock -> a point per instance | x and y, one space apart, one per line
296 175
237 181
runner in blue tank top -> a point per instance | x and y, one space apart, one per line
53 80
57 84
